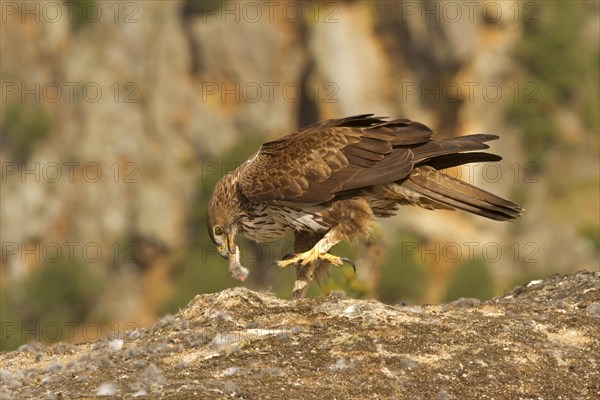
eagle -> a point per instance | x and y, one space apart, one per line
327 182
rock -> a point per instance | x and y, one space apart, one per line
593 309
342 348
106 389
230 388
465 302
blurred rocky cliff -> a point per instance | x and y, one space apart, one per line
117 119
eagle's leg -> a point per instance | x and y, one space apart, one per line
304 241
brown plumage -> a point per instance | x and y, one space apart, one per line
328 181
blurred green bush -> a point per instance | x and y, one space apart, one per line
84 12
557 59
52 298
403 277
471 280
23 127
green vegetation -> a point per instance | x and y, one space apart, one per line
84 12
23 127
403 276
556 58
471 279
73 299
49 301
198 271
592 233
11 335
202 7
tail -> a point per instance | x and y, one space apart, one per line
448 192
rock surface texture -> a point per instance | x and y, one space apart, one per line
541 341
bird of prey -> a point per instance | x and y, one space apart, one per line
328 181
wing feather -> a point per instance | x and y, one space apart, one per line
333 158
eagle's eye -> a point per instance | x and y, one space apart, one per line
218 230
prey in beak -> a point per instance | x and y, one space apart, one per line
231 252
236 269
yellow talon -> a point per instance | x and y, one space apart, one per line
302 258
311 255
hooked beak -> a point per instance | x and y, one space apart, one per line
228 248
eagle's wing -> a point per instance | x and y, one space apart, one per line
318 162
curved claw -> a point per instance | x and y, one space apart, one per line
349 261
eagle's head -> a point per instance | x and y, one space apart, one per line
222 222
221 217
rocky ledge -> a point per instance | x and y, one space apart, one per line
541 341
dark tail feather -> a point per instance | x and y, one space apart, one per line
454 160
444 189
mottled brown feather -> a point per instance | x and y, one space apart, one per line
332 156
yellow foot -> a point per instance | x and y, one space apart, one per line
312 255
